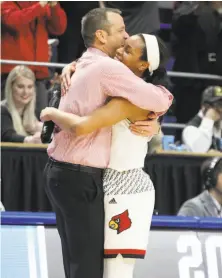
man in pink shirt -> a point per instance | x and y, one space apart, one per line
75 168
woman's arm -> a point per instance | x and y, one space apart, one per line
8 133
113 112
57 22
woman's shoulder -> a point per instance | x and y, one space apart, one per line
4 109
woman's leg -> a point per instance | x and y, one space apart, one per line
128 216
119 267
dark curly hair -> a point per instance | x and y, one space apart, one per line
159 76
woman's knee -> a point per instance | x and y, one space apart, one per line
119 267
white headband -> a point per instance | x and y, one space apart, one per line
153 53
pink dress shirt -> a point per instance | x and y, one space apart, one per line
98 76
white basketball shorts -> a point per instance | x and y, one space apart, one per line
127 224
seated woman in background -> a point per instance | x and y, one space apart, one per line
18 120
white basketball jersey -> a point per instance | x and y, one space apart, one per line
128 151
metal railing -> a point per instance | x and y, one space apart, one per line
173 125
59 65
31 63
170 73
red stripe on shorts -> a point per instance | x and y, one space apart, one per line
124 251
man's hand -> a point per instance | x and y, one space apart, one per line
46 114
213 114
56 79
34 139
43 3
146 128
52 3
66 77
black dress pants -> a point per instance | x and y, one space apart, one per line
76 194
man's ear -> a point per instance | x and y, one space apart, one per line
101 36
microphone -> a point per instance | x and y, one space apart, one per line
48 126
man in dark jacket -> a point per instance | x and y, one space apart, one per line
139 16
197 47
71 45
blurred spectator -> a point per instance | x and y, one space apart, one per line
197 47
209 202
204 131
25 28
18 120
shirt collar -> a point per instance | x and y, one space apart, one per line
216 203
96 51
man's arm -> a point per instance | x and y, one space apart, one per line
118 81
113 112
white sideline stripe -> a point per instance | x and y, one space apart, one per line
31 254
42 252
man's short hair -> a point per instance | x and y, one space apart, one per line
94 20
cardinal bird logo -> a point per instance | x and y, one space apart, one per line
120 222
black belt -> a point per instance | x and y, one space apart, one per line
75 167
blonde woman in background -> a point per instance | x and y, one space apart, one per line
18 120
